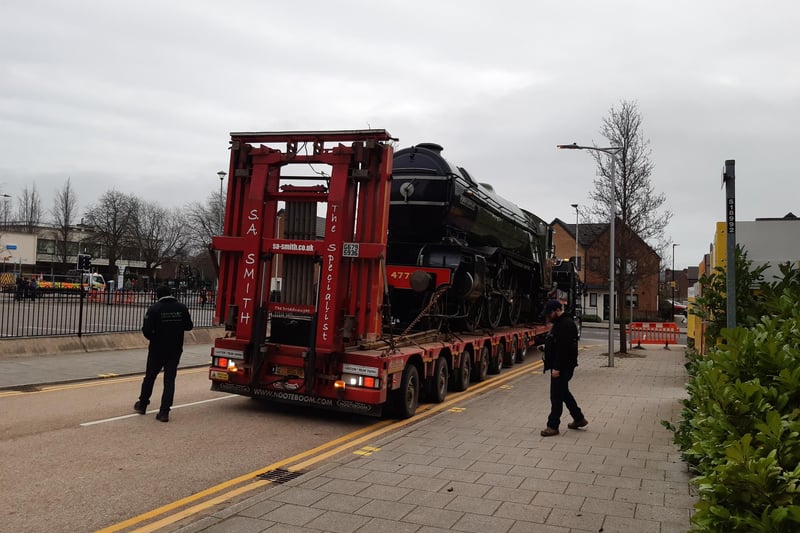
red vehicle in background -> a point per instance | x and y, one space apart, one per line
679 308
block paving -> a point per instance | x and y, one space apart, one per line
485 468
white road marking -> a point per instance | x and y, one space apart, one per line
123 417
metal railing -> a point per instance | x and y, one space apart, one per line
75 312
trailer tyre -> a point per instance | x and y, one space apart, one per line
405 400
461 376
437 386
522 349
513 353
481 370
496 363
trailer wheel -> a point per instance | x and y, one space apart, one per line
496 362
510 355
405 400
481 370
461 376
437 385
522 349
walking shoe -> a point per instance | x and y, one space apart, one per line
139 408
578 424
163 416
549 432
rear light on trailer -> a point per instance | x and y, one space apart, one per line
367 382
224 362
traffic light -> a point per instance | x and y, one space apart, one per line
84 262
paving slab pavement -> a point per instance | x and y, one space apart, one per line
483 467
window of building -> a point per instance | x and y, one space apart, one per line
635 301
594 263
45 246
593 299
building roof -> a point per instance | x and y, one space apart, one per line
787 216
587 233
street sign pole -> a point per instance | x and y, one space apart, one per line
729 180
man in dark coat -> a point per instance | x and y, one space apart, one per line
164 325
561 358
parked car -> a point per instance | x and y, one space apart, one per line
679 308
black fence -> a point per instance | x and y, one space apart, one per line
76 312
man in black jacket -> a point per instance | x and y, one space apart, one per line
164 324
561 358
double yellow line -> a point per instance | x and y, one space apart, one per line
237 486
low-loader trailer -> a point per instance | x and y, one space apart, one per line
307 213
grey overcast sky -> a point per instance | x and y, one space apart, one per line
140 96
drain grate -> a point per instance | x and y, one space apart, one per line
279 475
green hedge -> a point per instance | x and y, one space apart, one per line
740 426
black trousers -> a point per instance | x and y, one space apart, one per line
155 362
561 396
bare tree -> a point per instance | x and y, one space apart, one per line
160 235
203 221
637 205
114 219
29 209
64 212
5 210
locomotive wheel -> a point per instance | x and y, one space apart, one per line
472 315
404 401
495 308
496 362
460 380
481 370
437 386
433 318
514 310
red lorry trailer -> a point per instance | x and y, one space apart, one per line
325 343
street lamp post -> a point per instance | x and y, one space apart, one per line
221 206
612 151
575 266
577 221
673 279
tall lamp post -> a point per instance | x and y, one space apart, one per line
221 175
575 266
612 151
674 244
220 208
575 206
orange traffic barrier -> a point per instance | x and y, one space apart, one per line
665 333
124 297
95 296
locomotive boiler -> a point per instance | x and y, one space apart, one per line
473 259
